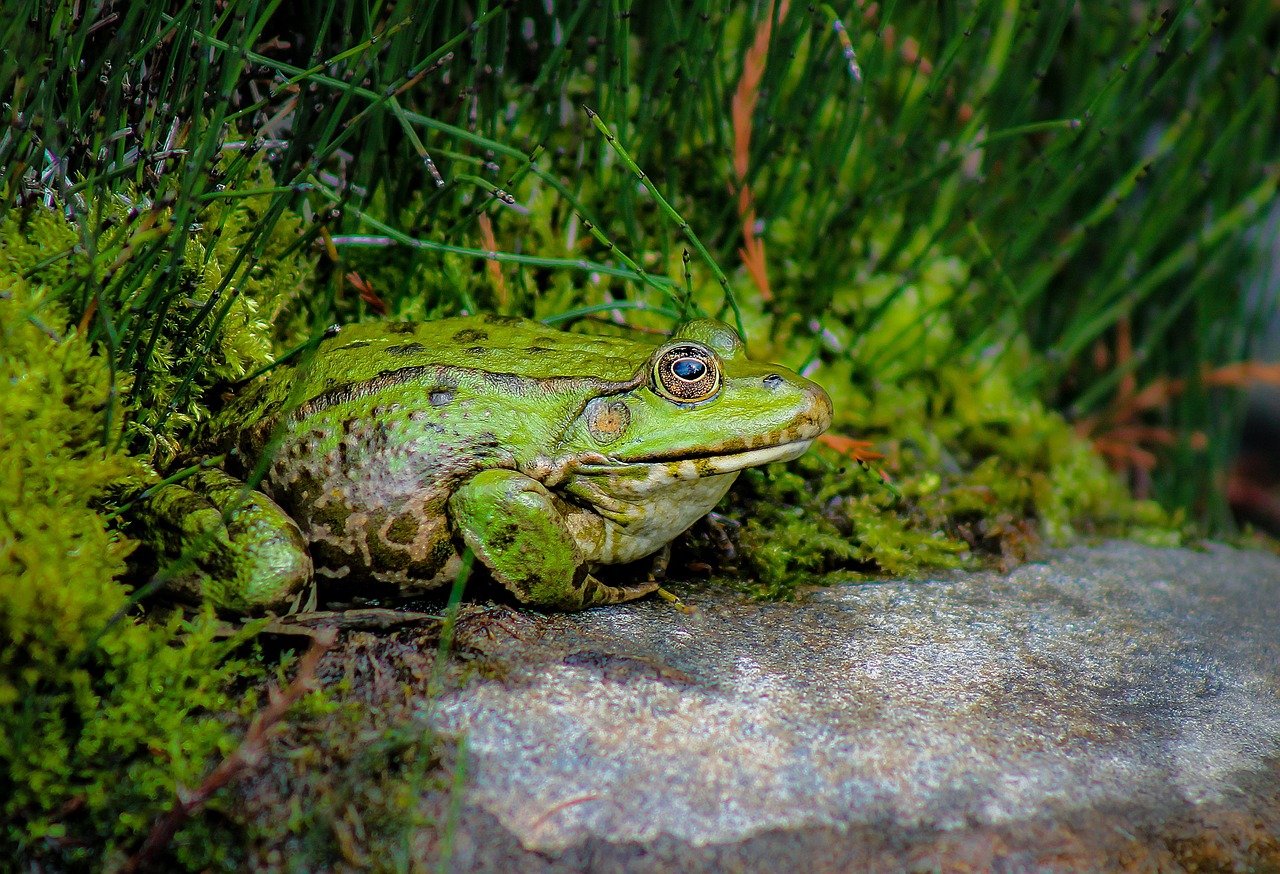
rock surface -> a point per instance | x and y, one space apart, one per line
1114 708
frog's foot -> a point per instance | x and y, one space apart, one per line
514 526
250 559
595 593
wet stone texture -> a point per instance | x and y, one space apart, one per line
1113 708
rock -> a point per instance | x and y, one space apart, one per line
1116 708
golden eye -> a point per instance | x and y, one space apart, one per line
687 373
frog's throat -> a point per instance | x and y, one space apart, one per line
709 465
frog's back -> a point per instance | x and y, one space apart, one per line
489 343
364 368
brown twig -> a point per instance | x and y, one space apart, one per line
490 243
564 805
744 106
246 757
367 293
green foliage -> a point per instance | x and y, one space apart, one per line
256 303
997 486
1089 171
178 357
103 715
953 241
983 469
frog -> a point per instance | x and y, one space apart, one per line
398 454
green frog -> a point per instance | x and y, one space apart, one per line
396 447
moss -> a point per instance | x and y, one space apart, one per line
813 523
106 713
259 303
103 714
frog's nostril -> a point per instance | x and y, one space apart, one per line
772 381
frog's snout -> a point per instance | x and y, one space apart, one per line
813 412
816 416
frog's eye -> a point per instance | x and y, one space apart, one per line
687 373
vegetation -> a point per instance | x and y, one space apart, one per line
102 715
1003 235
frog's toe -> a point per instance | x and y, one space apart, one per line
589 592
595 593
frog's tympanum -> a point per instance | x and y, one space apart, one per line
397 446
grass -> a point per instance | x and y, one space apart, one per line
998 233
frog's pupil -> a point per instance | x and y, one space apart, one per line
689 369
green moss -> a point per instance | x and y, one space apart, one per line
103 715
814 523
256 310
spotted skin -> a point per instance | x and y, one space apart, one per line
549 454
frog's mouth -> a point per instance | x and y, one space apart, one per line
734 461
694 466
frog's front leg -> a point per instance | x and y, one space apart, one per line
253 559
512 524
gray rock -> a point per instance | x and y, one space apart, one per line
1114 708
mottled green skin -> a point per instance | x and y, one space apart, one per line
548 453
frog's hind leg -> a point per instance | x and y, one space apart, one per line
512 524
251 558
